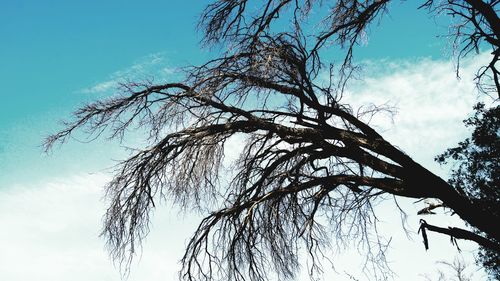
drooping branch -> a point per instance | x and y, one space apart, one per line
458 233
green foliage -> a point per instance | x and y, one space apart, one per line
477 173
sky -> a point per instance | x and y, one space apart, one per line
57 55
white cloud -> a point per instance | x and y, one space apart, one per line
430 102
101 87
50 233
50 229
148 68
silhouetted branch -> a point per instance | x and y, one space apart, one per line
478 24
457 233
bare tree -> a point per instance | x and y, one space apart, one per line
311 169
477 23
456 271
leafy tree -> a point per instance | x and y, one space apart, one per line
312 166
477 175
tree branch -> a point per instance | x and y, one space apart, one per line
459 233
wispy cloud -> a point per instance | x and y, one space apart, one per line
101 87
429 100
153 67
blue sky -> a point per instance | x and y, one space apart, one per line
51 50
54 55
